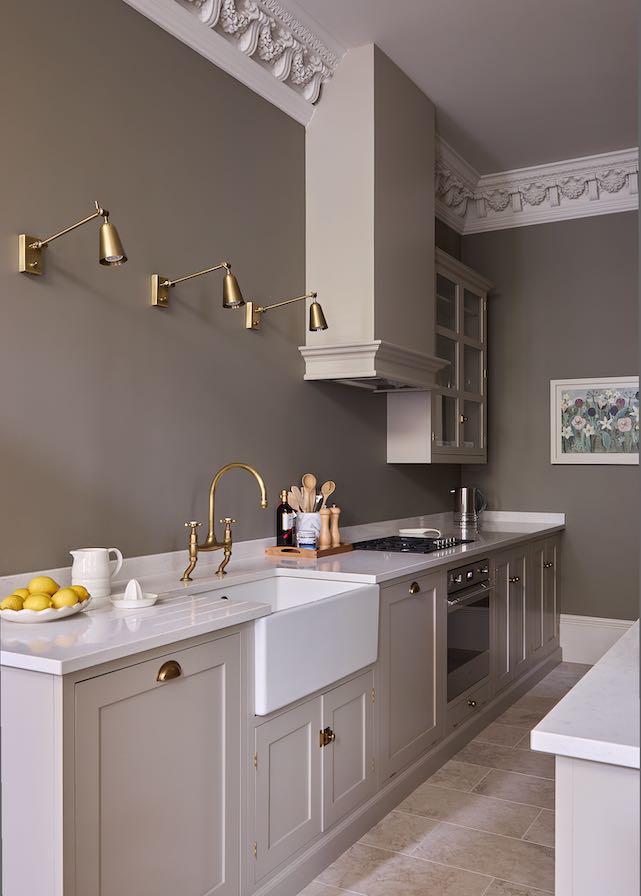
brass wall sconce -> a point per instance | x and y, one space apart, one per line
253 312
232 296
111 252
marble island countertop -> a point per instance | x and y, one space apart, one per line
104 633
598 719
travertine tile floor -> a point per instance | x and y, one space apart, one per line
482 825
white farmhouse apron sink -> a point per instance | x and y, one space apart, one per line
319 631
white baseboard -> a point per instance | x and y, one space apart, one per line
584 639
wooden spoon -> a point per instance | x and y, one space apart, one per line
309 489
327 488
300 498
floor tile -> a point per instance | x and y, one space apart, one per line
458 775
316 888
518 788
542 829
528 711
399 831
523 863
470 810
377 872
527 762
503 735
504 888
524 742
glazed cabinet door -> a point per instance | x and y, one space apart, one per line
509 643
348 756
157 776
412 662
288 784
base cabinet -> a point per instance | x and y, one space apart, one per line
411 664
157 776
314 764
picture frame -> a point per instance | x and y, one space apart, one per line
594 420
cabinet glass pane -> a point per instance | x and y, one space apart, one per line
472 424
445 421
446 349
445 302
472 358
472 315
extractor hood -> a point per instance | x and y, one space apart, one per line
370 228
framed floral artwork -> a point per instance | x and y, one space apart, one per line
595 421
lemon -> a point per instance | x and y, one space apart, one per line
21 592
66 597
13 602
81 591
37 602
43 585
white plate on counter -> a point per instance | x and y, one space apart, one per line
35 616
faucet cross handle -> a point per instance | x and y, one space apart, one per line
227 521
192 524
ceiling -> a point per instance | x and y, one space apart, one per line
515 82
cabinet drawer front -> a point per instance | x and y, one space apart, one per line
467 707
157 776
288 784
348 761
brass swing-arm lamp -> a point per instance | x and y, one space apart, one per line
111 252
317 320
232 296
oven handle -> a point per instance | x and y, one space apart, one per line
456 602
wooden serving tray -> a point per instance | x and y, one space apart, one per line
298 553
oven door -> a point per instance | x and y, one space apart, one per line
468 639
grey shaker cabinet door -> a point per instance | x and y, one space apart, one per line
551 591
412 642
348 762
157 777
288 784
509 639
535 599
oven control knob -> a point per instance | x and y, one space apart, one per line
483 570
469 574
458 579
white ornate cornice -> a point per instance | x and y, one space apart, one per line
276 51
576 188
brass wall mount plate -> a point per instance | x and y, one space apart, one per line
159 292
30 260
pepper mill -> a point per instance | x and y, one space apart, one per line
336 535
325 538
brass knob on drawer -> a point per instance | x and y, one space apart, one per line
515 579
471 703
170 669
415 588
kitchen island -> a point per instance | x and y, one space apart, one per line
594 733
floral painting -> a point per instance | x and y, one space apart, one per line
595 421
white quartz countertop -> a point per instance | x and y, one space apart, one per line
599 718
104 633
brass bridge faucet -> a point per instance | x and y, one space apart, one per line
211 543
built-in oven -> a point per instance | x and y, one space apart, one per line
469 595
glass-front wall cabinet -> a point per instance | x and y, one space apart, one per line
458 400
447 424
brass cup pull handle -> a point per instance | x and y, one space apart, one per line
472 703
415 588
515 579
170 669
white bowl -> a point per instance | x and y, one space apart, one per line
147 600
50 615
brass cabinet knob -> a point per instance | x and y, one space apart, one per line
515 579
415 588
471 703
170 669
548 565
327 736
463 418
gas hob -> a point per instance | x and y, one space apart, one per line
407 545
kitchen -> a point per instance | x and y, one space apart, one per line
121 413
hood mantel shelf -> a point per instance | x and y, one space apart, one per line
378 366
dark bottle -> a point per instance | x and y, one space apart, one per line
285 517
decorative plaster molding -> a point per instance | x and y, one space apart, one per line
279 54
576 188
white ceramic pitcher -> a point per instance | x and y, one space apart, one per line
92 567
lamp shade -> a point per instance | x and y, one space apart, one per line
111 249
232 296
316 317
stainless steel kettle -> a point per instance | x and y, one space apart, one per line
469 504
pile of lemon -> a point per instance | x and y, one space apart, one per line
42 593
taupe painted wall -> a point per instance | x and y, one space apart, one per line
565 305
114 416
